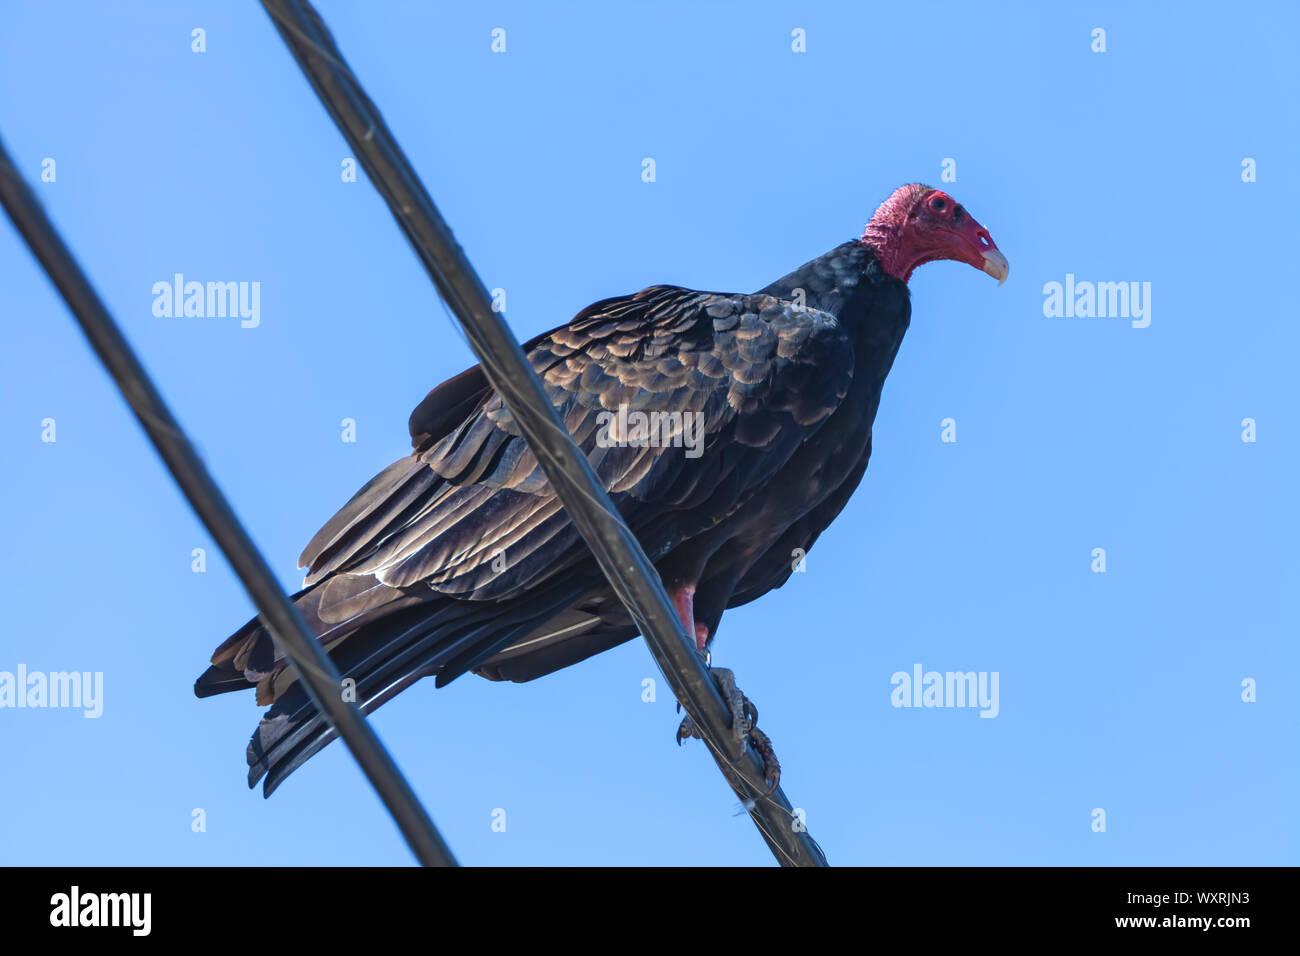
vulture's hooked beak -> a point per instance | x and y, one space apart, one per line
996 265
976 248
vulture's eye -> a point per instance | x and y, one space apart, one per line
937 204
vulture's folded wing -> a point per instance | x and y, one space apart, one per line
729 386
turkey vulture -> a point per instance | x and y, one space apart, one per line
460 558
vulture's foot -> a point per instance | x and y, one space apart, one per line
744 723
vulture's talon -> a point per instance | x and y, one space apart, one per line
744 724
771 766
737 703
686 729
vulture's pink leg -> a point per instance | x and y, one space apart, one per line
684 601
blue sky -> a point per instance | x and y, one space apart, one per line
1119 690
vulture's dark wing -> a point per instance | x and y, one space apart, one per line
758 373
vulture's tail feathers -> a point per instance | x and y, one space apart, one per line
395 638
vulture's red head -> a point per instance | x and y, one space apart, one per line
920 224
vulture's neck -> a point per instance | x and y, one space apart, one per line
850 283
874 307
